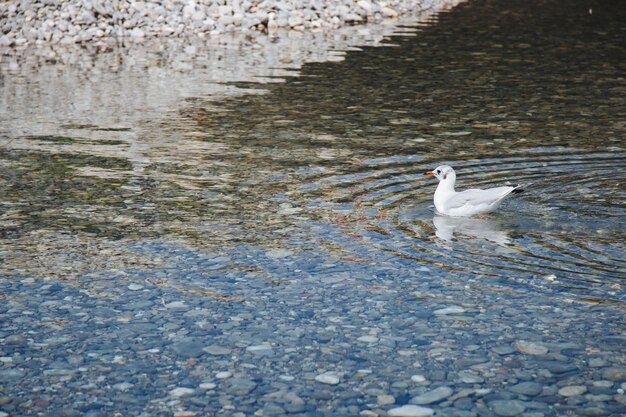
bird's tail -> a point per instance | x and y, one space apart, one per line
519 188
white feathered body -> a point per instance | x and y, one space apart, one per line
469 202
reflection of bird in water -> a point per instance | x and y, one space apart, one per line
447 227
468 202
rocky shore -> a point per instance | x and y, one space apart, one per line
26 22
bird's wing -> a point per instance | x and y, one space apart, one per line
475 197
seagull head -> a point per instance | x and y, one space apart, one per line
442 173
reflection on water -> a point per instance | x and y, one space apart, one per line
472 228
121 151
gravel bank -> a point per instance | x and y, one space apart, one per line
26 22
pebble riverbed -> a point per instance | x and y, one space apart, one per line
203 334
25 22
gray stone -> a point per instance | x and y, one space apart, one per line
507 408
188 348
558 367
503 350
529 389
11 375
436 395
273 409
216 350
593 411
572 390
469 377
615 374
239 386
597 362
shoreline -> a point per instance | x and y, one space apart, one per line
107 23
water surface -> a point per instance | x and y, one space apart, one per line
301 202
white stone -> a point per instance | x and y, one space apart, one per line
118 360
6 41
295 21
418 378
181 392
572 390
389 12
530 348
187 414
135 287
137 33
365 5
176 304
368 339
223 375
411 411
123 386
279 253
328 378
260 350
385 399
449 310
225 10
207 385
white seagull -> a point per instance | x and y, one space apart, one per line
468 202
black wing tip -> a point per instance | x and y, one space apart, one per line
518 189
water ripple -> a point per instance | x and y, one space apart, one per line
562 234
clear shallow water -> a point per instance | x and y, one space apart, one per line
545 234
346 144
273 207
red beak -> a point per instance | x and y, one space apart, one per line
429 173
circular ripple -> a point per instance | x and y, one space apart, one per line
566 231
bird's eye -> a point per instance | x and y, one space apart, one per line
438 172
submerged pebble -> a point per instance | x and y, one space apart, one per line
433 396
507 408
531 348
411 411
181 392
572 390
328 378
